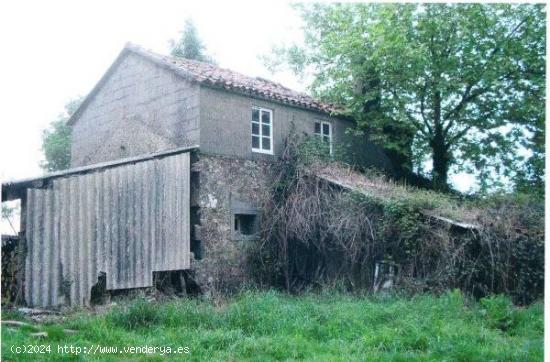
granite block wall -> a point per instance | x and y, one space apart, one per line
224 186
226 129
141 108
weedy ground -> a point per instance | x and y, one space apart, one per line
324 326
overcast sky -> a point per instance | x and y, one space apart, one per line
56 50
53 51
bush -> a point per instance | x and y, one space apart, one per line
318 233
512 241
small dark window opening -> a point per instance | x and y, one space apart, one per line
196 249
245 224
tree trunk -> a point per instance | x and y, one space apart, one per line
441 160
440 154
401 159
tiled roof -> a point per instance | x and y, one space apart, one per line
215 76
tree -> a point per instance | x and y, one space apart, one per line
460 85
190 46
530 176
8 213
56 140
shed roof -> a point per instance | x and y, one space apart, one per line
381 188
14 189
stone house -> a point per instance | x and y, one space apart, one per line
234 126
147 103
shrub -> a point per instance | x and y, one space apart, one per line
318 233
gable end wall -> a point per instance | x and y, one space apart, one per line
141 108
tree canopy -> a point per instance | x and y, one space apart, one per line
56 140
189 45
460 85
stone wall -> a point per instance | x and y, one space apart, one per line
140 108
225 185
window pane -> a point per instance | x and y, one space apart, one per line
255 115
266 117
317 127
266 130
255 142
266 144
326 129
256 128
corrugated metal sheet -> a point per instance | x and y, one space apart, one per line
126 221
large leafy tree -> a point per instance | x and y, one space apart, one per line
56 140
460 85
189 45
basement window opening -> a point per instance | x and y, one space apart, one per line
245 224
196 249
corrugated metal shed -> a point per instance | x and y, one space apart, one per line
125 220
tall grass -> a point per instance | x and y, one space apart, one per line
266 326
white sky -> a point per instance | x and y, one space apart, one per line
55 50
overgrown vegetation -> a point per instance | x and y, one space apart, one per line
318 232
270 326
459 85
8 213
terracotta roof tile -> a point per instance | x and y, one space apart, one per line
216 76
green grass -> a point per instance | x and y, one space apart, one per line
268 326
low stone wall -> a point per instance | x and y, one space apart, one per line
225 186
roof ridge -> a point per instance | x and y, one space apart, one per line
229 79
217 77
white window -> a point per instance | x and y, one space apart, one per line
324 130
262 130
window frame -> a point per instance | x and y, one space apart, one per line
322 135
260 131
